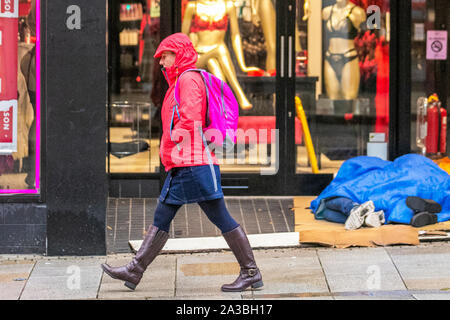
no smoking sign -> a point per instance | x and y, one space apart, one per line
437 45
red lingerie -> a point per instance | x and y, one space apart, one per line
199 24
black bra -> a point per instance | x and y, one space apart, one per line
347 31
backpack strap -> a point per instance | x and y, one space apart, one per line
175 107
208 153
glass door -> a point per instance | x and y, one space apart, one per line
238 42
339 89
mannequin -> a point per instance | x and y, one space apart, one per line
263 12
341 67
206 23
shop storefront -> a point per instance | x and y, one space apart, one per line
318 82
337 57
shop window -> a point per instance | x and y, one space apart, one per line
429 81
20 97
236 41
345 44
135 92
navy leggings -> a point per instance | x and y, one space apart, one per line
215 210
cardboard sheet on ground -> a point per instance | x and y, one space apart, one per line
334 234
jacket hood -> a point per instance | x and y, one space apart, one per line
186 55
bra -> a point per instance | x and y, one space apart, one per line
199 24
346 31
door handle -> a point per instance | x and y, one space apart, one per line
290 58
282 57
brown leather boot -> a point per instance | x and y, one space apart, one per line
154 241
250 274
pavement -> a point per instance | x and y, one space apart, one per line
296 273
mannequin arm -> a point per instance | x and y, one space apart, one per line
358 16
307 10
187 20
236 38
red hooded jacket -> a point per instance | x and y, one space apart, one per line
191 111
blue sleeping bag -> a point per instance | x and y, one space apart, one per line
388 184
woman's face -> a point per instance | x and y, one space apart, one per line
167 59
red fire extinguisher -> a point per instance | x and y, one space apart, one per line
432 125
443 133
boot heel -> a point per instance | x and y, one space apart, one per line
130 285
258 284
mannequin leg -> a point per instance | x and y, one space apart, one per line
214 66
230 74
225 71
332 84
350 80
267 16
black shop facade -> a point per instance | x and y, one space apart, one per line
317 82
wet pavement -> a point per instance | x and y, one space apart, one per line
300 273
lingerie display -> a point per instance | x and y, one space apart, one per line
204 21
339 60
346 28
199 24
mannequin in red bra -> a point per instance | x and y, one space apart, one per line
206 23
341 67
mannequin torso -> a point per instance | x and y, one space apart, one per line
342 23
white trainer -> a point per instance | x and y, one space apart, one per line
356 218
374 219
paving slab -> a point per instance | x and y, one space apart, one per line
364 297
293 296
432 296
360 270
66 278
13 277
424 267
158 280
204 274
293 271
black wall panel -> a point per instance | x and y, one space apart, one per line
76 82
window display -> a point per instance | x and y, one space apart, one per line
19 97
236 41
351 63
342 24
206 23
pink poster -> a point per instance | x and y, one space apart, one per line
437 45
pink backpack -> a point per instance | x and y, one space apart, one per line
222 111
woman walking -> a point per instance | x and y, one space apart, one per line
190 178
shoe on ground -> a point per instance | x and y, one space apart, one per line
418 204
374 219
356 218
423 219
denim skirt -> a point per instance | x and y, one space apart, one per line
191 184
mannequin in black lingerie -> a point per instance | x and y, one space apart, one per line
341 66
